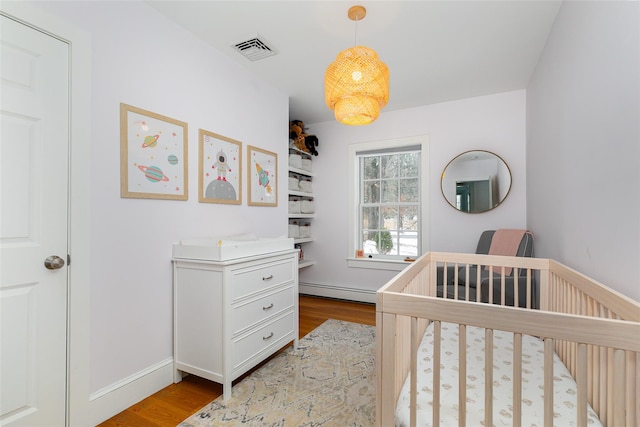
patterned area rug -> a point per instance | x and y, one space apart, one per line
328 381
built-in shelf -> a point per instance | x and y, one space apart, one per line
300 171
305 263
303 240
300 193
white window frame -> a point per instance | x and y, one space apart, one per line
353 177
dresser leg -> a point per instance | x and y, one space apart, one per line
177 376
226 390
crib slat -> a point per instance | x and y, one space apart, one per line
591 361
581 385
610 385
529 286
466 284
445 279
602 372
478 283
386 350
516 287
437 336
619 416
455 282
517 380
502 288
414 372
488 375
462 375
630 392
548 382
491 284
636 396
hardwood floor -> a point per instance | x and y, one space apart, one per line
175 403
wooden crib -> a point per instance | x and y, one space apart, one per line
594 330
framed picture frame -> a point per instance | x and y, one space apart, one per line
262 177
220 169
153 155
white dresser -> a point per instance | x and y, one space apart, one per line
231 314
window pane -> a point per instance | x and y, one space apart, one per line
371 167
408 243
370 218
369 245
409 190
371 193
409 218
390 191
384 242
389 166
390 218
408 164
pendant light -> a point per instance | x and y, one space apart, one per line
356 84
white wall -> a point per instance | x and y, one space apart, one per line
494 123
583 143
141 59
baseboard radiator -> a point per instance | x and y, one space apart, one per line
338 292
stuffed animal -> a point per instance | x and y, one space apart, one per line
296 128
310 142
296 134
301 140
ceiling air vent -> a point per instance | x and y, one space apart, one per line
255 48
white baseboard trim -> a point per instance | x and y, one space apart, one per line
338 292
115 398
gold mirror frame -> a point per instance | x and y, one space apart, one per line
475 181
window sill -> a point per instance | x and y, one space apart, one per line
377 264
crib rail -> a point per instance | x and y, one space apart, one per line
593 329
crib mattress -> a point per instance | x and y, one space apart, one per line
532 382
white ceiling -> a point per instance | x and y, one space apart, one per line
436 50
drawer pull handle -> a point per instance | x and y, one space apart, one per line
269 277
270 306
268 336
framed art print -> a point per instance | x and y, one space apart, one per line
153 155
220 170
262 175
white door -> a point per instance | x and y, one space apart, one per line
34 152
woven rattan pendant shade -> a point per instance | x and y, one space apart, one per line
356 86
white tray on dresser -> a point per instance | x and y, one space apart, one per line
222 249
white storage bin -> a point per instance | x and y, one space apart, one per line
294 206
294 231
295 160
305 185
304 231
294 184
306 207
306 164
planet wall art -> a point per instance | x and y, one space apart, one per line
153 173
153 155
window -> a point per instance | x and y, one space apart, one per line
387 210
389 202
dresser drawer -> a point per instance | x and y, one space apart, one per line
249 280
254 311
263 337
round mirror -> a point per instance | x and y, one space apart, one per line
476 181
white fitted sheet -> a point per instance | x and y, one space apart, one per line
532 382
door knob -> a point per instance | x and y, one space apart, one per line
53 262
